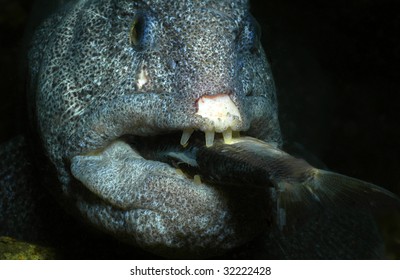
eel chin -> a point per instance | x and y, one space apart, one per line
149 203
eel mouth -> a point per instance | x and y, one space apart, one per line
130 193
116 172
157 148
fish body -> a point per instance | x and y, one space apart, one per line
300 190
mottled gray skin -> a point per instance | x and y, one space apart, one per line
84 71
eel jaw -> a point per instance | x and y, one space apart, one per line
150 204
161 210
219 111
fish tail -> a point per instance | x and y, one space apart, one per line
323 190
352 192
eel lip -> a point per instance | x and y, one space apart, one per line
117 172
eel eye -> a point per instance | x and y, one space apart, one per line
136 31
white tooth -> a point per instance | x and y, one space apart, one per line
197 179
179 171
227 135
210 138
185 136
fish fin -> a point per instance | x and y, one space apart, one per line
352 192
322 191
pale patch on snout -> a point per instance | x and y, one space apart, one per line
222 112
220 109
143 78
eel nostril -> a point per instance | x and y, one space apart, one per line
250 93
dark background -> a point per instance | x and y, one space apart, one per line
337 70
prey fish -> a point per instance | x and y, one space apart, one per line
299 190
